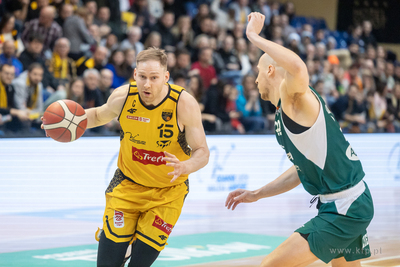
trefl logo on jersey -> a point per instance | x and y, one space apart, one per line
118 219
163 226
137 118
167 114
147 157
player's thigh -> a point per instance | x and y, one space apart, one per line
294 251
341 262
155 225
119 225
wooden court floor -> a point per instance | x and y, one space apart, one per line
277 216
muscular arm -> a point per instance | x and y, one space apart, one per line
101 115
296 74
190 116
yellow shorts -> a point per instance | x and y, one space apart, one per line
135 212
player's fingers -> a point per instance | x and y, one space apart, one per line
235 205
169 154
173 179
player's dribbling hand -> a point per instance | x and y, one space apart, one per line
42 126
239 196
173 161
256 23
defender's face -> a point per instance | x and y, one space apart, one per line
150 78
262 83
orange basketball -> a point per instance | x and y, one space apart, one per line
65 121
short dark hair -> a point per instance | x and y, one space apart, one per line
36 37
5 64
35 66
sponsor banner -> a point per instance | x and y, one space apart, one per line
182 251
54 176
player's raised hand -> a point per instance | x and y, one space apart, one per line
256 23
239 196
173 161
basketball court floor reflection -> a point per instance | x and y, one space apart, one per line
207 234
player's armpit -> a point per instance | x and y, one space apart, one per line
105 113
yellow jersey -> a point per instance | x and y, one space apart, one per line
146 133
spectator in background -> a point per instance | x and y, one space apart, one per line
153 40
182 63
94 31
76 91
60 65
66 11
33 54
77 33
377 109
45 26
352 77
183 32
224 18
8 32
242 10
8 57
254 53
93 95
350 111
231 108
107 25
18 8
134 34
204 68
121 71
203 12
97 61
130 60
196 89
393 107
10 116
367 36
143 18
205 27
106 81
287 29
232 67
294 43
214 114
241 49
110 42
248 104
34 9
91 8
164 26
29 90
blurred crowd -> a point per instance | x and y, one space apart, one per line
83 50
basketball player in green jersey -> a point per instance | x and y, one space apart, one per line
323 161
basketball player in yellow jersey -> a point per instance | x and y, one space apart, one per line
162 141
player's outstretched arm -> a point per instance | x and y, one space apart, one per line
101 115
285 182
296 75
190 116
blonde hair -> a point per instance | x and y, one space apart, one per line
152 53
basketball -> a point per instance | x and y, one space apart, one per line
65 121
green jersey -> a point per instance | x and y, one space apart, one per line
324 159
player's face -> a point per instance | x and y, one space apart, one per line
262 83
150 78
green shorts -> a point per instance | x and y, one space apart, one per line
339 229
